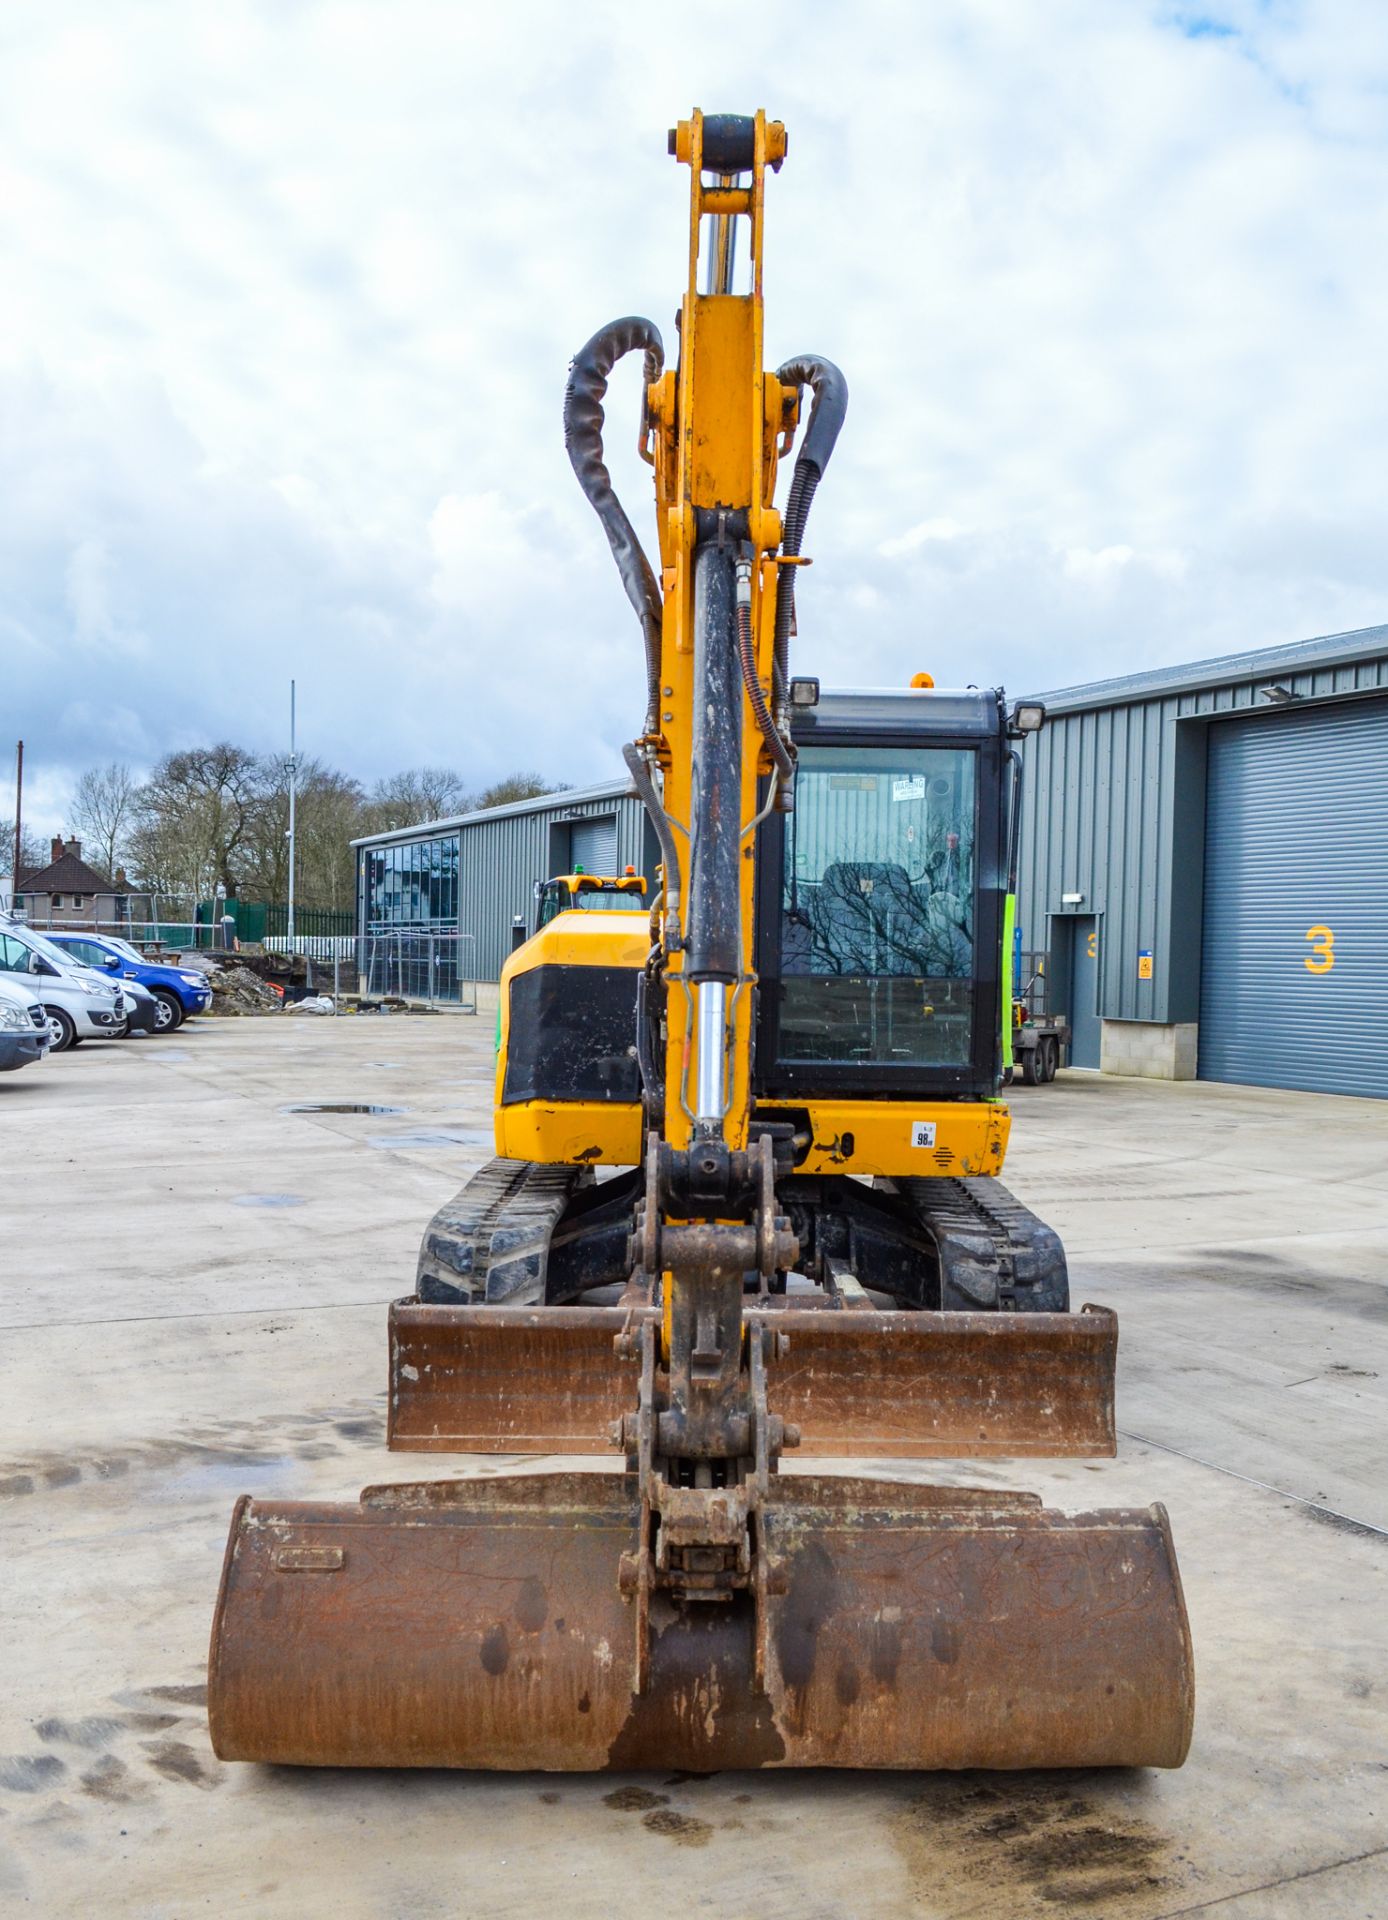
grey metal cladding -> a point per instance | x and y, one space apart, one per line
1114 806
1296 900
1320 656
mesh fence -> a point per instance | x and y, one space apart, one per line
437 968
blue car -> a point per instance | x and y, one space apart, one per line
178 991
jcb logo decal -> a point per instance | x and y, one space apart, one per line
1322 955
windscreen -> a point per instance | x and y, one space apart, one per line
877 908
611 900
50 950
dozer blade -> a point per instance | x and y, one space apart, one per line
884 1385
482 1623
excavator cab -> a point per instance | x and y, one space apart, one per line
595 893
744 1217
878 931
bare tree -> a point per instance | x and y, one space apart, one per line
103 813
220 813
32 851
193 819
328 815
519 786
410 798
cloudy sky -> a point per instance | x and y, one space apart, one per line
287 294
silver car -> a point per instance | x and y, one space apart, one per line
23 1026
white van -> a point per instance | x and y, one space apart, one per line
78 1003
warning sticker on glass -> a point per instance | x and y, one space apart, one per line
910 786
922 1133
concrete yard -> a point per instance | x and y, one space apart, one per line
194 1306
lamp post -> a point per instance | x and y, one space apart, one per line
18 824
293 784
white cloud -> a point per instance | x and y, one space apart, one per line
1082 563
290 293
916 537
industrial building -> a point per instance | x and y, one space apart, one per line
475 874
1204 855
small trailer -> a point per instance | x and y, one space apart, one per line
1040 1038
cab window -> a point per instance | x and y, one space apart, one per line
877 908
610 900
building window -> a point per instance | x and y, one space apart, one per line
413 886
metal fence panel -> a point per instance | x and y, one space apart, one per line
439 969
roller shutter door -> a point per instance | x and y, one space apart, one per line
1294 973
593 845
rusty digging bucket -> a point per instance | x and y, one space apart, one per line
481 1623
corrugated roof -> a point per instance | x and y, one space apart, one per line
545 802
1264 663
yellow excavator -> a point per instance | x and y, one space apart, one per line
744 1217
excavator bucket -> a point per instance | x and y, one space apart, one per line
488 1623
854 1385
491 1622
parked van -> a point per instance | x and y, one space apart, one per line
78 1004
141 1008
23 1025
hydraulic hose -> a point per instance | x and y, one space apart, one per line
761 713
830 391
664 833
583 424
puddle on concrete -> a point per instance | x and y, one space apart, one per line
431 1137
340 1106
268 1200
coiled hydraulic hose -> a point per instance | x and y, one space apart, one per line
583 423
830 391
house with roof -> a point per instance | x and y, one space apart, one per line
69 893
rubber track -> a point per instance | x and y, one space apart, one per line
491 1240
994 1252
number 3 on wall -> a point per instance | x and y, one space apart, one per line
1091 945
1322 955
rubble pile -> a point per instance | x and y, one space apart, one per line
235 988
